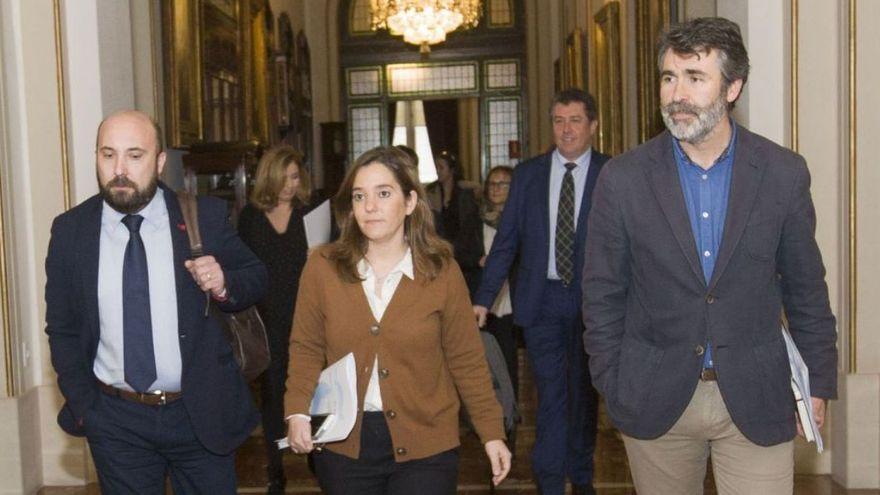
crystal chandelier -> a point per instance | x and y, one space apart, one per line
424 22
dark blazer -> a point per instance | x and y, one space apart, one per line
524 230
648 310
215 394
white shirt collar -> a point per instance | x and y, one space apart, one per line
582 161
405 266
154 213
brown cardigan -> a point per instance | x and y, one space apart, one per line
429 352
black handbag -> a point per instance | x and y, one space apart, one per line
244 329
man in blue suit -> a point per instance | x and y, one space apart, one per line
545 224
148 379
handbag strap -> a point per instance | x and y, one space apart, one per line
190 209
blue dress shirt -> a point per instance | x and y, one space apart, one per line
156 233
579 175
706 192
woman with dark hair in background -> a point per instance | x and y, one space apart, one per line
272 226
388 291
455 200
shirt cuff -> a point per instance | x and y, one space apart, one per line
301 416
223 296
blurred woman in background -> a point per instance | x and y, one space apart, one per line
458 214
500 318
272 226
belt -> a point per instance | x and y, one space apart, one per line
708 375
155 398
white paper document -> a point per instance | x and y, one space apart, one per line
800 386
335 397
317 224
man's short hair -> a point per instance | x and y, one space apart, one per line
704 34
575 95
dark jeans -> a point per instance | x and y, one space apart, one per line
376 472
135 446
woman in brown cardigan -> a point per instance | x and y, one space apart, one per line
390 292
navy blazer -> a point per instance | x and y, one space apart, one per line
525 230
215 395
648 310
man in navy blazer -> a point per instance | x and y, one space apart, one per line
546 227
699 240
153 386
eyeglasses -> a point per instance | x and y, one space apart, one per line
501 184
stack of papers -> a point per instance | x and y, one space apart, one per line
335 397
800 385
317 225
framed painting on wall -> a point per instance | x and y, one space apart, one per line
608 88
575 60
652 18
183 75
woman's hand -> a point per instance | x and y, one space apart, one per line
499 456
299 435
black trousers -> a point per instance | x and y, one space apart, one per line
272 387
502 328
376 472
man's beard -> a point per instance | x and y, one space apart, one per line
698 129
125 201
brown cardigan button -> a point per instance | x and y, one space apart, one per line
374 330
391 414
401 451
383 373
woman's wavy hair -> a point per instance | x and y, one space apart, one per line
429 252
270 178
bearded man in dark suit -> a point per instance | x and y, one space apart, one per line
148 378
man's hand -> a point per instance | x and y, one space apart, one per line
208 275
299 435
499 456
818 414
480 313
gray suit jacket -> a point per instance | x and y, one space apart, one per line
648 310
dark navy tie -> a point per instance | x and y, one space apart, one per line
565 227
137 326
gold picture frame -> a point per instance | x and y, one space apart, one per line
183 74
652 18
607 73
575 60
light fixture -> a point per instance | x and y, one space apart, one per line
410 130
424 22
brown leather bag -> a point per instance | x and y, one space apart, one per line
244 329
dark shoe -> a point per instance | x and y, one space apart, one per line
582 490
276 486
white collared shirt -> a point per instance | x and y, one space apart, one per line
378 304
109 366
557 171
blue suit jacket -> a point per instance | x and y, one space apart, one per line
216 396
524 231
